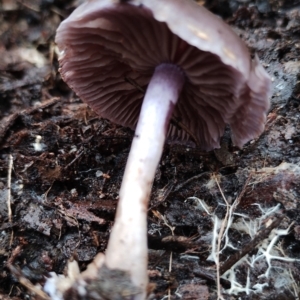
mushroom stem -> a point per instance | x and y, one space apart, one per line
127 248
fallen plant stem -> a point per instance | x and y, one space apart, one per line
262 234
10 166
163 195
181 185
26 283
220 236
15 253
81 151
163 218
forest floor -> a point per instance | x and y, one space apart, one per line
61 167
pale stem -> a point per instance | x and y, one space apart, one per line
127 248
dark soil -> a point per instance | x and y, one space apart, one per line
67 166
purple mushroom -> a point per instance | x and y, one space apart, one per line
193 67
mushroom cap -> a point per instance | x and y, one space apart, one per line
110 48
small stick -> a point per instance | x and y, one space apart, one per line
26 283
163 195
10 166
262 234
222 230
181 185
29 6
74 160
14 254
160 216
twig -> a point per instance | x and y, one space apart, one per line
262 234
46 193
18 273
225 227
75 159
163 194
232 209
221 232
26 283
10 166
243 191
58 11
160 216
29 5
64 213
15 252
180 186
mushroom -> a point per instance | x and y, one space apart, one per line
194 69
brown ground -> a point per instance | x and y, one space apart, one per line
68 165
